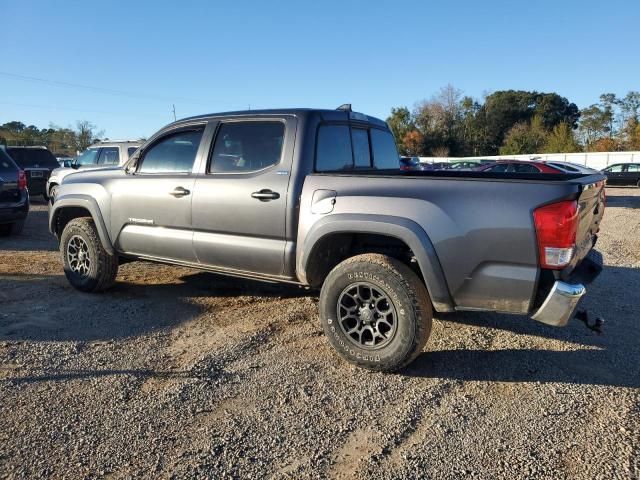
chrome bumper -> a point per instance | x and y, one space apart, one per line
560 304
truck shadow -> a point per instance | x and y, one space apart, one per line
623 201
611 358
46 308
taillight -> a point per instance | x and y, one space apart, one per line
22 180
556 229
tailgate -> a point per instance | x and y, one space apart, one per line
591 204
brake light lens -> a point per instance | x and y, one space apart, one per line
556 230
22 180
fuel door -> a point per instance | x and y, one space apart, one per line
323 201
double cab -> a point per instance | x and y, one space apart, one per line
317 198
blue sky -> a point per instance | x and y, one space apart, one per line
139 58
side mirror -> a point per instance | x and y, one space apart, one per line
75 165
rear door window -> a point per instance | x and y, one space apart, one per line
501 167
109 156
333 148
244 147
385 154
524 168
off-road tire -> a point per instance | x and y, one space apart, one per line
14 228
103 267
408 296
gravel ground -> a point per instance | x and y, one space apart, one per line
177 373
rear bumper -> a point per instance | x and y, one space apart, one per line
562 300
12 212
560 304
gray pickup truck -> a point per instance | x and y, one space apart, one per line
316 198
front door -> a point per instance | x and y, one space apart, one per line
615 174
240 199
151 207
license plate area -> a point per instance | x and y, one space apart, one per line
35 174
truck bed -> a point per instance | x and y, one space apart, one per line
480 224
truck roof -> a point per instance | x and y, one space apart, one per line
326 114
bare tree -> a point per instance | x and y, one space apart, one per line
86 134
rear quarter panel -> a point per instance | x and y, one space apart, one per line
481 229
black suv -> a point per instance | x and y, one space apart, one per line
14 197
37 163
623 174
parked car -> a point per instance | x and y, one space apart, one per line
438 166
65 161
100 155
517 166
410 163
463 165
14 196
37 163
623 174
316 198
570 167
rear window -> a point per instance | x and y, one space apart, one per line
6 164
564 166
33 157
385 155
342 148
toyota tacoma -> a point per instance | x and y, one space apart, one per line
317 198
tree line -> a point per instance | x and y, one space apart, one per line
515 122
61 141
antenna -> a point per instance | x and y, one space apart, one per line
345 107
174 112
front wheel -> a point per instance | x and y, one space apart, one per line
53 192
375 312
87 265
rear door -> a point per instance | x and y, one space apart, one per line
240 199
631 174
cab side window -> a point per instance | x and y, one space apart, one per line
244 147
614 168
633 167
109 156
174 153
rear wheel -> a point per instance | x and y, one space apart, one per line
375 312
87 265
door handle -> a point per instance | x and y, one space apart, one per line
180 192
265 195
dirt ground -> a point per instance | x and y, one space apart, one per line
177 373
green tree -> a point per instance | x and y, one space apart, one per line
594 124
401 122
525 138
561 140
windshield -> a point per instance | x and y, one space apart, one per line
88 157
33 157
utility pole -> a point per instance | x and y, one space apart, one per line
174 112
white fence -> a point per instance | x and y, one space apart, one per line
597 160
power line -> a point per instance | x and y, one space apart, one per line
107 91
71 109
